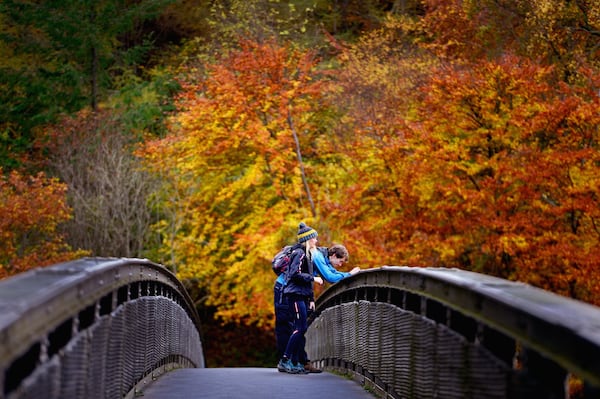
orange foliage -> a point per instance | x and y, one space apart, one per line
454 139
234 175
555 31
496 173
31 209
462 133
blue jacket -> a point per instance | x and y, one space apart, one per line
324 267
299 274
280 279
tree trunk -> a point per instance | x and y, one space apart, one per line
299 156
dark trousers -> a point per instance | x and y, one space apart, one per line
284 319
295 347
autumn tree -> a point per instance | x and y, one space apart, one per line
260 19
509 170
235 183
31 211
564 34
302 21
377 85
493 170
559 37
484 165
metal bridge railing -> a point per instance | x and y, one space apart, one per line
447 333
94 328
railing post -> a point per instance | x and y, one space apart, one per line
538 377
590 391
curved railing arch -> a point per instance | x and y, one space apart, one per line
432 332
94 328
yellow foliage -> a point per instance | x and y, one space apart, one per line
233 175
488 165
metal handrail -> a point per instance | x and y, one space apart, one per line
562 330
38 306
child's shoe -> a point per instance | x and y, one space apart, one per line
299 369
311 369
280 366
288 367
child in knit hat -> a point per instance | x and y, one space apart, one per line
305 233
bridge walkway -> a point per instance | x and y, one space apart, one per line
247 383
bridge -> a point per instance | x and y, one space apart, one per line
126 328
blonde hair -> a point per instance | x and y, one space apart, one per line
308 249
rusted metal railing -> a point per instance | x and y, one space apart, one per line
94 328
447 333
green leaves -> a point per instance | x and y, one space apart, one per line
59 56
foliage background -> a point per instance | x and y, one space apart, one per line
199 134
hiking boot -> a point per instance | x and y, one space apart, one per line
309 367
287 366
299 369
280 366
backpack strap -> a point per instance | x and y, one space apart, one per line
324 251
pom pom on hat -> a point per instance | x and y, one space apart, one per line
305 233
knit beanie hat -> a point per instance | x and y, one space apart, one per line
305 233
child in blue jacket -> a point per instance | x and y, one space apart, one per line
327 260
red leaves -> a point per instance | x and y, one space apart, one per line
511 163
489 166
